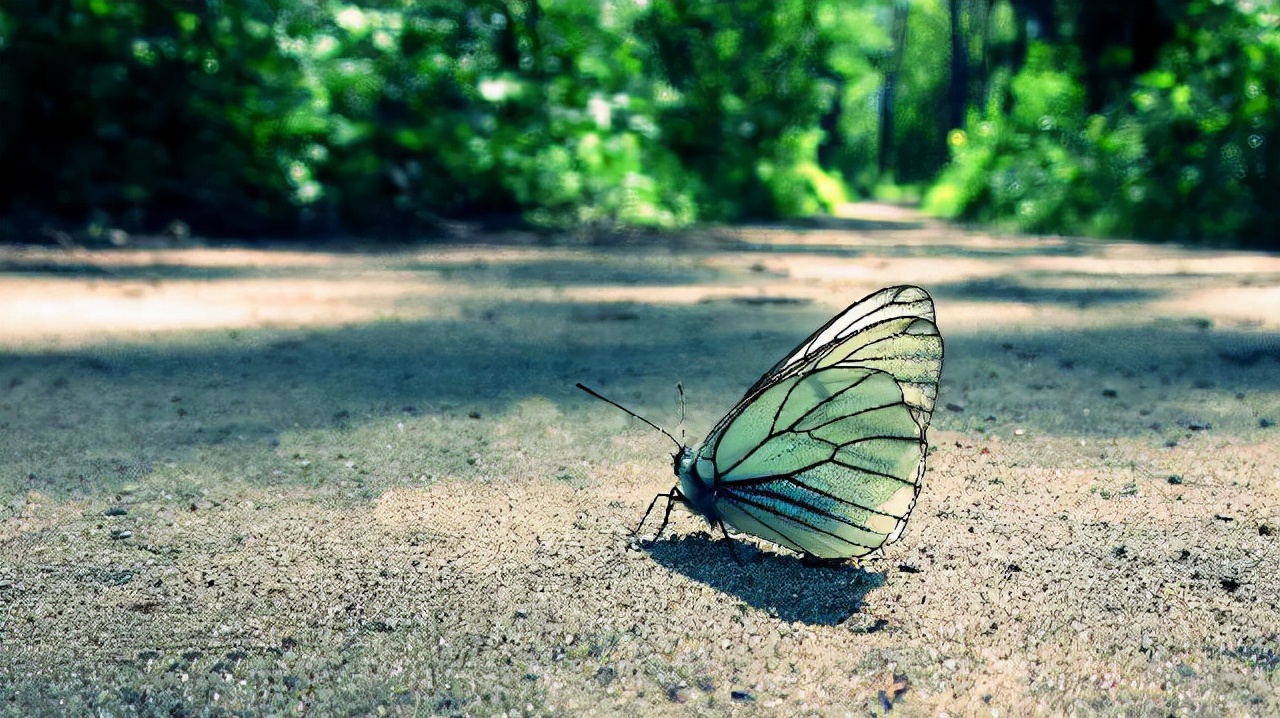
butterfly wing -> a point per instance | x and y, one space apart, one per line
879 308
825 454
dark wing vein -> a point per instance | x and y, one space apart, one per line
744 502
763 491
787 540
842 417
835 448
873 472
723 425
841 499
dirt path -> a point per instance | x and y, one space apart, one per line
271 481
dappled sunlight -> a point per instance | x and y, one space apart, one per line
981 282
1255 307
73 312
300 448
673 296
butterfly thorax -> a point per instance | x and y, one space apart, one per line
696 491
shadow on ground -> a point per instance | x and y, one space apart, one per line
768 581
1008 289
141 272
95 417
569 272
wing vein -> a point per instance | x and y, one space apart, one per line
794 480
764 492
743 503
873 472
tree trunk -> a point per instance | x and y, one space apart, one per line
958 93
888 90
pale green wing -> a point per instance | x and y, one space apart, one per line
836 469
827 457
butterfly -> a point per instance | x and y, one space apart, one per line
825 454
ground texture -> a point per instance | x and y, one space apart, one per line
239 481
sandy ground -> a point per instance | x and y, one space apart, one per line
239 481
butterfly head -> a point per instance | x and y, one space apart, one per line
694 491
682 460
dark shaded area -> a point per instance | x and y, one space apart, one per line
1008 289
1120 37
847 224
141 272
885 247
126 408
778 583
646 269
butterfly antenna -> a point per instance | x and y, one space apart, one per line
680 391
607 400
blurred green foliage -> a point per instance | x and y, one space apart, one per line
110 109
260 117
1188 149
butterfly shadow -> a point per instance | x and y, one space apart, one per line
782 585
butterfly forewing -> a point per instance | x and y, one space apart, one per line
825 454
884 305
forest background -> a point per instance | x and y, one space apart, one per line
301 118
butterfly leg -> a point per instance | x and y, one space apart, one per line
671 497
729 542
